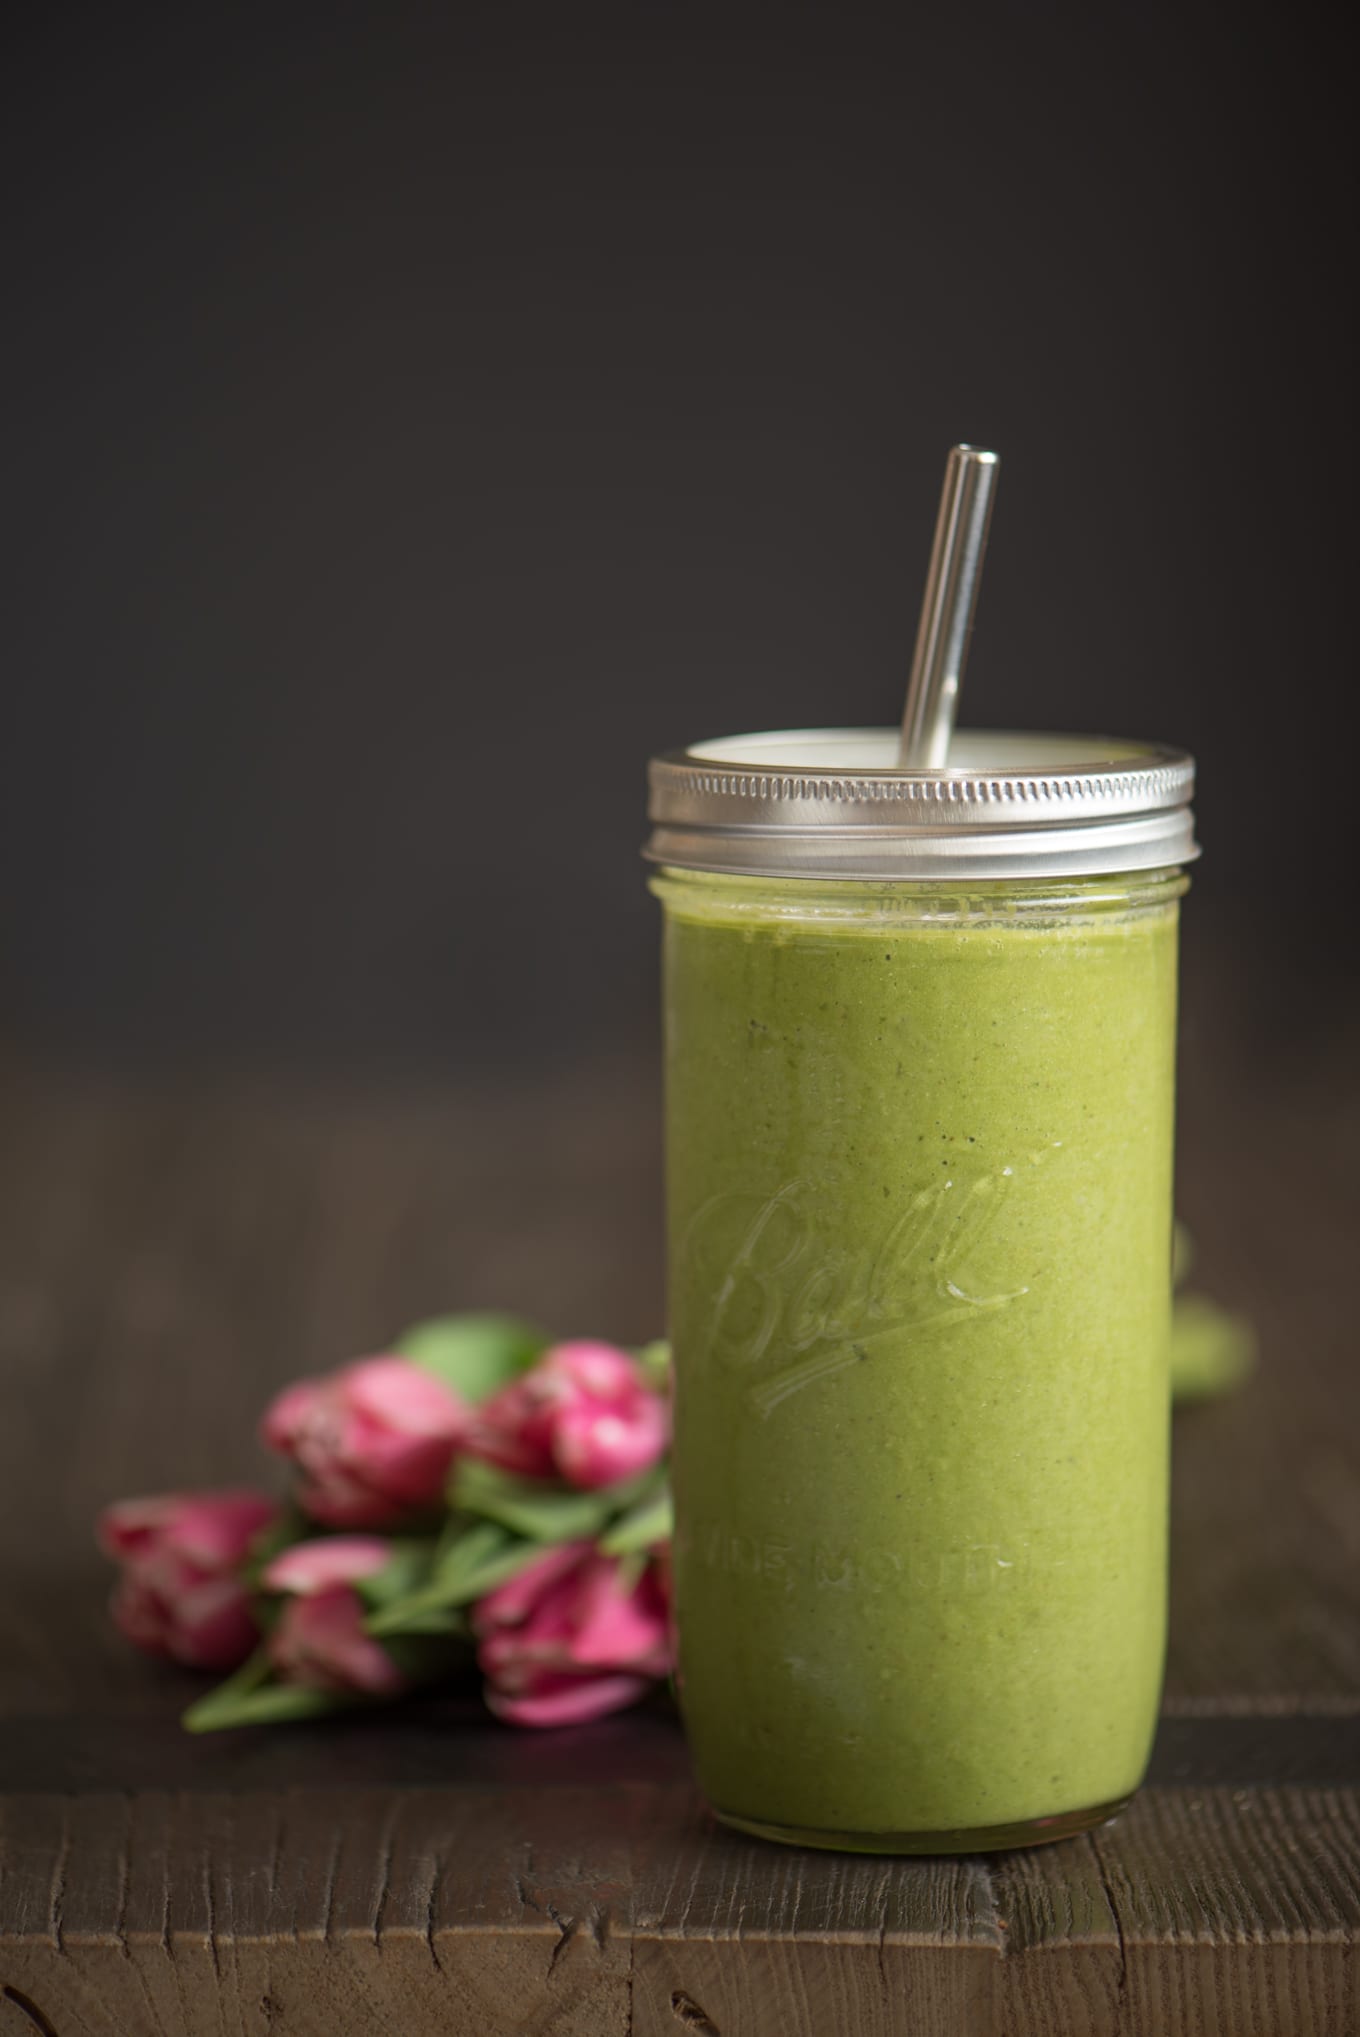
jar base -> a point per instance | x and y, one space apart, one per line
974 1839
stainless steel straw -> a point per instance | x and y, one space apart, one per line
947 611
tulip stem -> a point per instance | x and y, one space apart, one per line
271 1704
201 1716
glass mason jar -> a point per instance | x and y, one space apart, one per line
920 1061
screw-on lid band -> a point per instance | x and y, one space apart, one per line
833 803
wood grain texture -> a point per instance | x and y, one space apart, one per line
626 1910
171 1251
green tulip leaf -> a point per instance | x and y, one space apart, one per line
254 1671
478 1550
655 1360
475 1580
474 1354
650 1521
534 1508
630 1572
415 1619
406 1569
249 1699
1211 1350
474 1560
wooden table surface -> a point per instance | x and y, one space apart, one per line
173 1249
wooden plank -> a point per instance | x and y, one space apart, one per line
451 1741
736 1936
1228 1912
1064 1960
1259 1742
445 1741
1238 1911
324 1912
535 1916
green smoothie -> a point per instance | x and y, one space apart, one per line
919 1178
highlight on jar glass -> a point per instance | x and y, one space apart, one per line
920 993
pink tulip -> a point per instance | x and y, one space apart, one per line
311 1567
319 1640
373 1441
570 1638
585 1412
181 1593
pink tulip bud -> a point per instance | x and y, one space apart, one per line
311 1567
511 1603
318 1639
571 1638
597 1445
373 1441
320 1643
513 1429
181 1593
585 1412
566 1700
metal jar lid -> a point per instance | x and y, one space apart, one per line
818 803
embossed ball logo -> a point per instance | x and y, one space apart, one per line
791 1309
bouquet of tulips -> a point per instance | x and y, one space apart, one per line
475 1492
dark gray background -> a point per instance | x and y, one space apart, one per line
418 414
